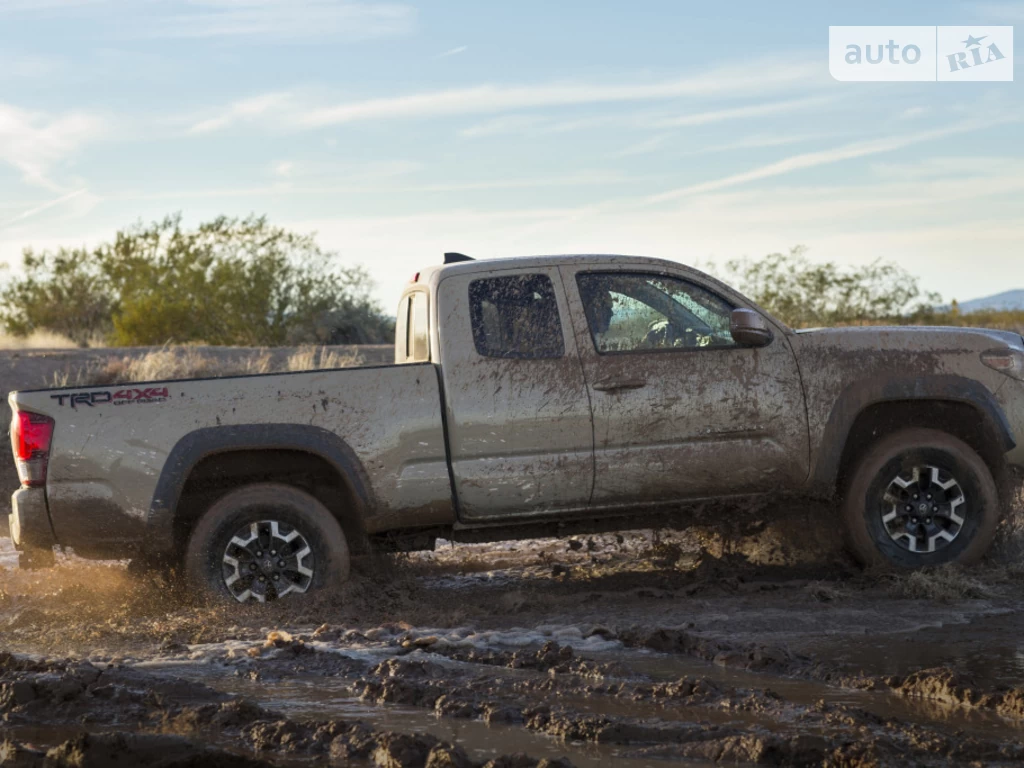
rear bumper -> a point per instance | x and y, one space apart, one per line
30 520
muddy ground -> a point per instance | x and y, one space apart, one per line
633 650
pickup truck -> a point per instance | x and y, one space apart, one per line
531 396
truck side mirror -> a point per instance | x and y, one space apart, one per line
749 328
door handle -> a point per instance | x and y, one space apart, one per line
613 385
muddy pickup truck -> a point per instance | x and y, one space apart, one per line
530 397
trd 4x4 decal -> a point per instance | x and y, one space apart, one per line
118 397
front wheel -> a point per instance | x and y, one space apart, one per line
264 542
920 497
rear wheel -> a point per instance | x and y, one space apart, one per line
920 497
265 542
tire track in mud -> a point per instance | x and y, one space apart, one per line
47 698
576 700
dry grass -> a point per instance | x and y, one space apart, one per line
37 340
320 358
184 362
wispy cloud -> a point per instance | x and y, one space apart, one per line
27 65
739 113
959 167
296 111
375 177
241 110
537 125
44 207
453 51
289 20
34 142
506 124
658 142
498 98
271 20
813 159
286 110
912 112
284 169
754 142
644 147
42 6
579 179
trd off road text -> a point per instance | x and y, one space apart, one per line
531 396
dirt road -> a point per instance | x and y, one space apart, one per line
632 651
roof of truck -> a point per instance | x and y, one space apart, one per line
434 272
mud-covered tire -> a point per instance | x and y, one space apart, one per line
254 507
869 494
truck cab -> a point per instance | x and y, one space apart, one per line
602 382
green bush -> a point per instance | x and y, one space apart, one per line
227 282
805 294
61 293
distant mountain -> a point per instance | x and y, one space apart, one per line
1004 300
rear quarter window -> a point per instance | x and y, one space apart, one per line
418 335
402 331
516 317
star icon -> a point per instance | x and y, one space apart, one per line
971 40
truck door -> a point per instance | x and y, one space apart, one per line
518 413
681 411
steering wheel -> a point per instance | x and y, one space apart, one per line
662 334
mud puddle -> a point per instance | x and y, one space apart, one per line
989 650
809 693
616 686
319 698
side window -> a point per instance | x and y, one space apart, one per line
419 340
629 312
402 331
516 316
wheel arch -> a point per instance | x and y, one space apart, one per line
209 462
868 411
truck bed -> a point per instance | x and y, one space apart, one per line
121 446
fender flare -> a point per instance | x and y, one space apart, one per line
209 441
861 395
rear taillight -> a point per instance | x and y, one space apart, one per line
30 438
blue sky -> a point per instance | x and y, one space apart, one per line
396 130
